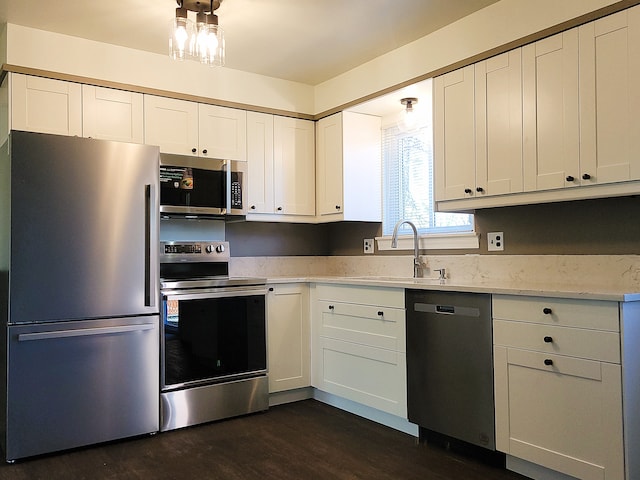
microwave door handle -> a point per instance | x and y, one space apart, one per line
227 184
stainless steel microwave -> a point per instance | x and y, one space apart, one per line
194 186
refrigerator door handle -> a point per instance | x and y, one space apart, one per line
151 247
84 332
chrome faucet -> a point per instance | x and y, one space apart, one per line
417 266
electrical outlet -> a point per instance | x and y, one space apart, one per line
495 241
368 245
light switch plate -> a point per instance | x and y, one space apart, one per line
495 241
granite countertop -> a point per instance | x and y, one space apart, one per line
583 292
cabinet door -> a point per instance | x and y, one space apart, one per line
551 128
222 132
566 416
288 337
329 164
294 166
110 114
171 124
610 98
260 162
454 131
371 376
499 124
45 105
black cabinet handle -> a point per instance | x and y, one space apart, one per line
569 178
279 209
194 150
547 311
253 207
548 361
467 190
337 207
586 176
548 339
271 289
331 307
479 189
204 151
380 313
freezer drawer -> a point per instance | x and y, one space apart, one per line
77 383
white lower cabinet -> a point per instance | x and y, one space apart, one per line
558 384
358 344
288 336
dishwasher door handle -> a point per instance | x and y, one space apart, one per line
446 309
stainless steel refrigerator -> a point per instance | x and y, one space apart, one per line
79 292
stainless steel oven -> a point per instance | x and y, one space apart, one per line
213 339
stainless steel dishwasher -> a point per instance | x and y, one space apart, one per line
450 366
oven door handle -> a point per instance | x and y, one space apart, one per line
185 295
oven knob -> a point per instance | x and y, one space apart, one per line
220 248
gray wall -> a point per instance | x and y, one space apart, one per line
603 226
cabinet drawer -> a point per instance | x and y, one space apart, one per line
574 342
388 297
593 314
371 376
380 327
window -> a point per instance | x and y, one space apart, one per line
407 188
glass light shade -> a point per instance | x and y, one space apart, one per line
215 44
409 119
180 35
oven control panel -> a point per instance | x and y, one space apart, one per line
212 251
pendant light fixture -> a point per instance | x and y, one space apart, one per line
409 119
202 41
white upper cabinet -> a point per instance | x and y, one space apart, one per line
478 129
222 132
260 163
551 126
111 114
45 105
171 124
349 167
454 132
189 128
294 166
329 161
281 168
610 98
499 124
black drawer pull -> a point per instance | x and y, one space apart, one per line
547 311
331 307
271 289
467 190
586 176
380 313
194 150
570 178
548 361
479 189
548 339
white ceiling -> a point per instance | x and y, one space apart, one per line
306 41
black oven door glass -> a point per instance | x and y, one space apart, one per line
192 187
208 339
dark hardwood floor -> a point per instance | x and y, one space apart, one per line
303 440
